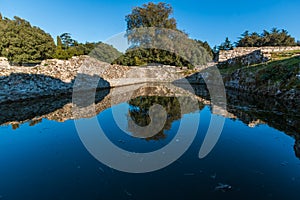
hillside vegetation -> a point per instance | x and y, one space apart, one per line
22 43
279 75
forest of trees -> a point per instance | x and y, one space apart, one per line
274 37
68 47
21 42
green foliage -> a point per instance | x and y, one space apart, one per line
278 74
102 51
283 73
274 38
154 38
58 42
206 46
151 15
22 43
61 53
67 41
138 57
150 23
184 52
67 47
284 55
227 45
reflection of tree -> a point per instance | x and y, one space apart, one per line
139 111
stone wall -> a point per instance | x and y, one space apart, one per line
56 77
250 55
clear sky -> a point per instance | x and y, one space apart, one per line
210 20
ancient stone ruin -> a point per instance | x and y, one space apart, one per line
249 55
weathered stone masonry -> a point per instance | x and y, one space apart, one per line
55 77
250 55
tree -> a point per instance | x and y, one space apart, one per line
227 45
249 40
139 57
151 15
206 46
58 42
61 54
275 37
146 23
67 40
153 33
103 52
22 43
99 50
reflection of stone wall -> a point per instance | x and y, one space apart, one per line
250 55
250 109
62 109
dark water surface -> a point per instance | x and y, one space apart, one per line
257 155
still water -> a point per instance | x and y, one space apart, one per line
257 155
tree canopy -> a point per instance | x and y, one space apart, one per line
22 43
273 38
138 57
151 15
154 38
103 52
68 47
226 45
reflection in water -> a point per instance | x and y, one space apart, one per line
139 112
250 161
250 109
33 111
254 110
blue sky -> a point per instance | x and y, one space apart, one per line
95 20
